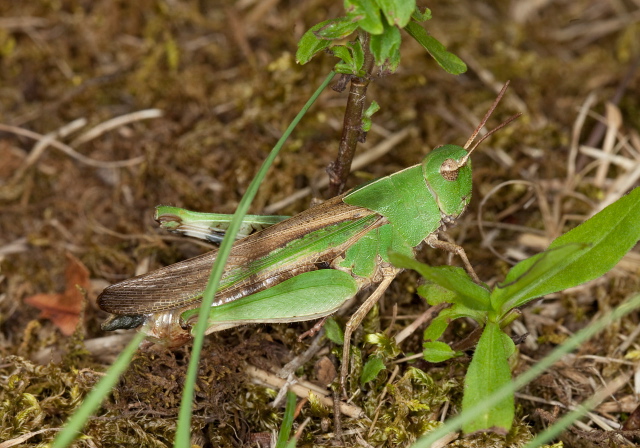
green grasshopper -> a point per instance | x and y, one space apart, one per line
307 266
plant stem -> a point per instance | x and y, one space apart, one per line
352 125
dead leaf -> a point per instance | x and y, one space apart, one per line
325 371
64 309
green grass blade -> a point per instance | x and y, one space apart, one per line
99 392
287 421
183 432
571 344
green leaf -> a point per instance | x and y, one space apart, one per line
392 63
371 369
421 16
397 12
366 13
352 58
357 53
610 234
526 377
509 345
366 124
310 45
333 331
440 323
339 28
454 279
366 117
436 351
343 53
436 328
525 276
435 294
488 372
372 109
384 47
448 61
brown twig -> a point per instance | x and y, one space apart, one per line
352 125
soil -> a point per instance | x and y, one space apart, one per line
212 86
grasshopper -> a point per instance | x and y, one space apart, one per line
307 266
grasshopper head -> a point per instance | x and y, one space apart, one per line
447 169
447 172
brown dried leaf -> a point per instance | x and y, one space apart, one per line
325 371
64 309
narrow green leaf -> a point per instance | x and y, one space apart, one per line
385 46
397 12
287 421
448 61
610 234
527 275
333 331
339 28
437 351
309 44
366 13
371 369
183 431
488 372
454 279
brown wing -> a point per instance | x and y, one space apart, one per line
183 283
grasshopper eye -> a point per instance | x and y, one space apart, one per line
450 169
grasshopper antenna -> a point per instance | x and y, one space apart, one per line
463 161
486 117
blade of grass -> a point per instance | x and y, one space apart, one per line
99 392
569 345
183 433
287 421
